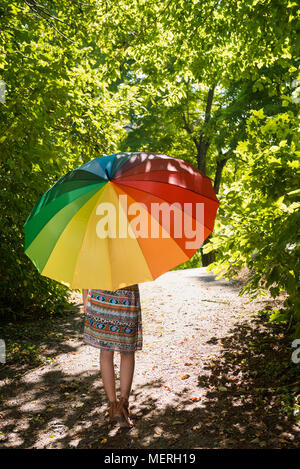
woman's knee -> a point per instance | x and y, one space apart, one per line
106 354
127 355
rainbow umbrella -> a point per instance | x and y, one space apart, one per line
120 219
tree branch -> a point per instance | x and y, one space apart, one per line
189 130
45 15
203 143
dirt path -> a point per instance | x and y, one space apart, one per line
201 380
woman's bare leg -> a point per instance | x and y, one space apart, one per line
126 373
126 376
108 374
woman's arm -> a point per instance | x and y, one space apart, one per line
84 298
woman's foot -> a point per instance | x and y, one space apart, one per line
113 413
123 410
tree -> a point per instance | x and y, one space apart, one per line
180 78
58 113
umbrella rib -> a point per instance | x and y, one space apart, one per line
174 239
168 184
85 231
54 201
45 202
136 164
138 244
148 192
157 157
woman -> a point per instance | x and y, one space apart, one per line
113 323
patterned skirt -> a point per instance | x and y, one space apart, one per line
113 320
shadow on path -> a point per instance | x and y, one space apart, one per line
241 406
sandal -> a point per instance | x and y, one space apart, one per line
123 409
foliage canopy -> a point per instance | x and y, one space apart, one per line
214 82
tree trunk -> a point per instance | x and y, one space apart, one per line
201 159
220 165
203 143
210 256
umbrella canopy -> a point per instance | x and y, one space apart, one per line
120 219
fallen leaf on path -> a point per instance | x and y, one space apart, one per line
197 427
158 431
184 377
167 387
222 388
